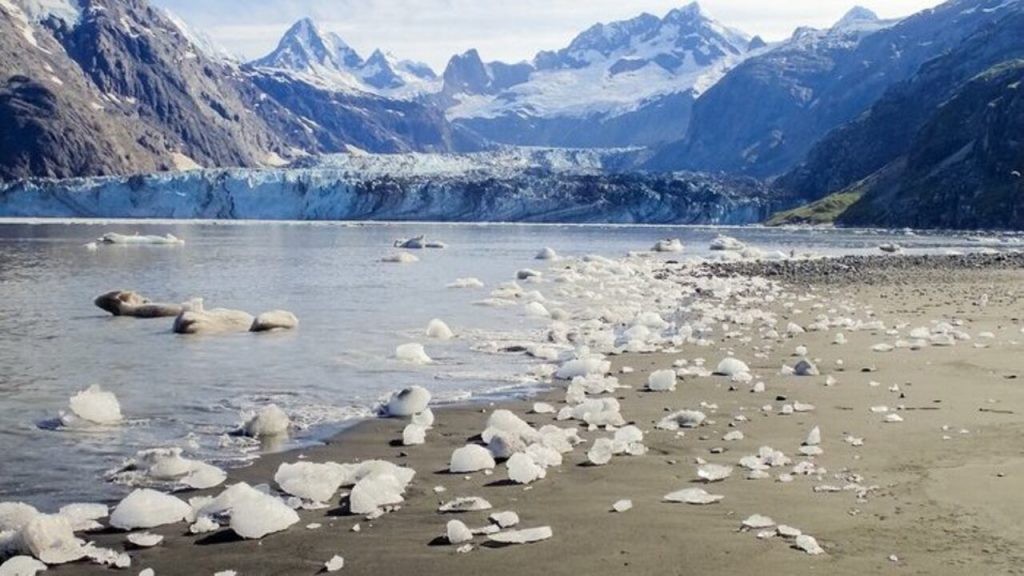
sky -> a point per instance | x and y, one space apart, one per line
509 30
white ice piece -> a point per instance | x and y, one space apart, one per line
662 381
412 353
335 564
257 515
471 458
310 480
269 421
410 401
601 451
438 330
97 406
523 470
732 367
51 539
694 496
145 508
526 536
458 533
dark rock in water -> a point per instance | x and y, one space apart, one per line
128 303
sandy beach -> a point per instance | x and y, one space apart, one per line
935 493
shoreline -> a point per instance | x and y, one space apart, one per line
575 499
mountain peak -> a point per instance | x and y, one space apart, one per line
691 11
856 15
305 47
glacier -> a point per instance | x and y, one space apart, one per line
506 186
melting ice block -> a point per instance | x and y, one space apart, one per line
471 458
97 406
147 508
408 402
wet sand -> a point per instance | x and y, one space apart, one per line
942 506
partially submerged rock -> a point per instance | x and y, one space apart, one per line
274 320
133 304
198 320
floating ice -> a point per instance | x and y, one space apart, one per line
269 421
727 243
412 354
695 496
145 539
335 564
274 320
113 238
51 539
466 283
310 480
410 401
471 458
732 367
167 465
257 514
528 273
527 536
464 504
523 470
537 310
662 381
439 330
400 258
809 545
97 406
601 452
21 566
713 472
145 508
546 254
504 520
458 532
668 245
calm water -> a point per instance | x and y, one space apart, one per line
354 310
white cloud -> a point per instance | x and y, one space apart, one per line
509 30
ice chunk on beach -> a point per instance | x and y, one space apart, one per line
471 458
414 435
668 245
335 564
713 472
412 400
522 536
412 353
97 406
814 437
523 470
269 421
732 367
601 452
310 480
682 419
694 496
400 258
437 329
624 505
757 522
457 532
84 517
145 539
584 366
805 368
145 508
546 254
51 539
14 515
662 381
543 408
464 504
257 514
424 419
21 566
505 519
809 545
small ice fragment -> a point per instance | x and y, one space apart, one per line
334 564
412 353
693 496
809 545
732 367
662 381
439 330
147 508
51 539
145 539
21 566
414 435
504 520
257 515
471 458
97 406
668 245
805 368
622 506
546 254
814 437
601 452
400 258
269 421
523 470
713 472
526 536
757 522
457 532
410 401
465 504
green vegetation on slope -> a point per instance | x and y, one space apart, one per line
824 211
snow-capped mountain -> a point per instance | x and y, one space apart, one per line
624 83
324 58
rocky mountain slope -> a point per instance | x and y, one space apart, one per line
963 167
766 114
620 84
